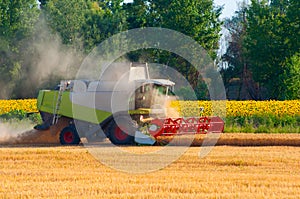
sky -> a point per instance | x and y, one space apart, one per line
230 6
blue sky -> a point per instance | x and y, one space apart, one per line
230 6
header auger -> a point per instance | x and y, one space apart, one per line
184 126
95 109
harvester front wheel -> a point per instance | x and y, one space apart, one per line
69 136
122 132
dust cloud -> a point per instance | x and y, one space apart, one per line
49 62
52 57
21 132
52 61
45 60
10 132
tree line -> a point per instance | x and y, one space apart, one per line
263 53
264 41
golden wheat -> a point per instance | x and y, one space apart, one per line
227 172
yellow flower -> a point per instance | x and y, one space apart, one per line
240 108
192 108
27 105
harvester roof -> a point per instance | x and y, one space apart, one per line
164 82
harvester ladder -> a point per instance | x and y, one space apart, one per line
62 87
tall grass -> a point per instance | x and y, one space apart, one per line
267 123
18 115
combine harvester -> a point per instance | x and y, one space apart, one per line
88 109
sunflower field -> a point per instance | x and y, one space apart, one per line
239 116
26 105
238 108
189 108
247 116
23 109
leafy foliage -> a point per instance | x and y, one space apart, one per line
18 115
197 19
17 22
67 18
272 37
265 38
235 55
291 77
265 35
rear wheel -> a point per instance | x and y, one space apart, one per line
122 132
69 136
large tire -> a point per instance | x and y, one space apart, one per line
69 136
122 132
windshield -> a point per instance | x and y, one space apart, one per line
148 94
164 90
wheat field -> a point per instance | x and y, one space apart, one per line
226 172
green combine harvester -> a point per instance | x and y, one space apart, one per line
116 107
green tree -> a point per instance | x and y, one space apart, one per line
291 78
197 19
103 19
85 23
137 14
235 52
272 37
17 23
67 18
